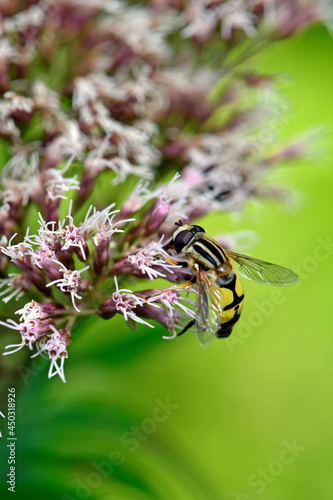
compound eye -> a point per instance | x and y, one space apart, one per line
198 229
182 240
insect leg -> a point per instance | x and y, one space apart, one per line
187 327
175 262
188 283
168 245
176 287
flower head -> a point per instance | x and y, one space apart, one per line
154 115
71 282
56 348
125 302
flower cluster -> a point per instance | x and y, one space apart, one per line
149 110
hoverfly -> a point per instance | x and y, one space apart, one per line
220 293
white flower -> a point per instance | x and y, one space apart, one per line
234 14
84 92
33 16
20 179
125 301
137 198
203 21
17 252
7 51
15 285
150 256
56 347
31 311
45 98
132 154
37 330
69 283
171 298
56 184
7 124
100 223
74 236
72 142
19 102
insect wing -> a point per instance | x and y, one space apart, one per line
210 307
263 272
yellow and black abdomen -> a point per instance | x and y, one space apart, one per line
233 295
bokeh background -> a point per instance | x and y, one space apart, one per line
144 418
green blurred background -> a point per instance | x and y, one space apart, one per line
245 419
